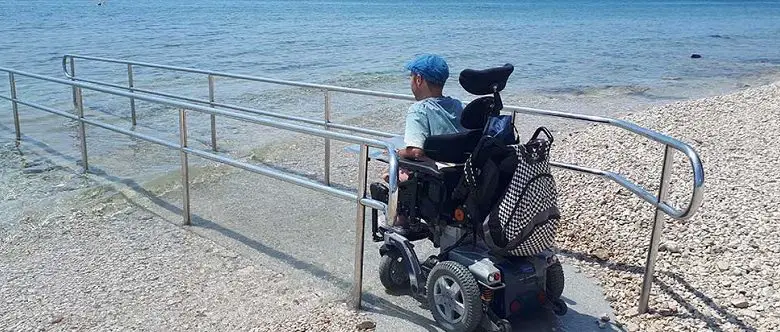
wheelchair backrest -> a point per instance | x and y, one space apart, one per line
455 148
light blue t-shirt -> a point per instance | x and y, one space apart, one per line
432 116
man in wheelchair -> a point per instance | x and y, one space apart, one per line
489 204
432 114
432 187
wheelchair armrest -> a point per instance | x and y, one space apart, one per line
426 167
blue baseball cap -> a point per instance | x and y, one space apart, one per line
431 67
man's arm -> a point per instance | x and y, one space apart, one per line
415 133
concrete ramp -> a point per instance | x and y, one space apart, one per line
309 238
585 300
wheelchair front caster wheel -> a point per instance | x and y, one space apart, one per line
559 307
392 272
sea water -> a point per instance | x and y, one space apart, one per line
590 56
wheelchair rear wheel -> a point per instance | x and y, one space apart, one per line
555 281
454 297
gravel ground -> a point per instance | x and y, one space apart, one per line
716 271
103 264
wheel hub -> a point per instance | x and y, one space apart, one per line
448 299
398 271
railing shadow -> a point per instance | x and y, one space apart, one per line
693 312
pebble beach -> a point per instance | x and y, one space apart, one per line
718 270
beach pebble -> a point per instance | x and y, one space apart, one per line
36 169
366 325
670 247
602 254
740 302
56 319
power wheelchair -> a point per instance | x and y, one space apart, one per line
489 205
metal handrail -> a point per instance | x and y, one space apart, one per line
239 76
698 169
662 207
241 108
693 157
365 143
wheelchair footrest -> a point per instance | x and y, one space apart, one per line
411 234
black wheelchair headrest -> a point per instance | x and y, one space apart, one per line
486 81
476 114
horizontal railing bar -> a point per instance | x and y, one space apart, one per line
527 110
625 183
241 108
305 120
95 123
263 170
291 127
373 204
272 173
240 76
135 89
363 131
650 134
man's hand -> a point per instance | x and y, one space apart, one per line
411 153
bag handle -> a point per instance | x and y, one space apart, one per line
546 133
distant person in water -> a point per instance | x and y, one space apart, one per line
433 113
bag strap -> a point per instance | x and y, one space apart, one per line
539 220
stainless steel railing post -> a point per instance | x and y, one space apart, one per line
658 226
82 129
392 200
213 117
185 167
73 78
327 140
130 85
357 283
15 107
